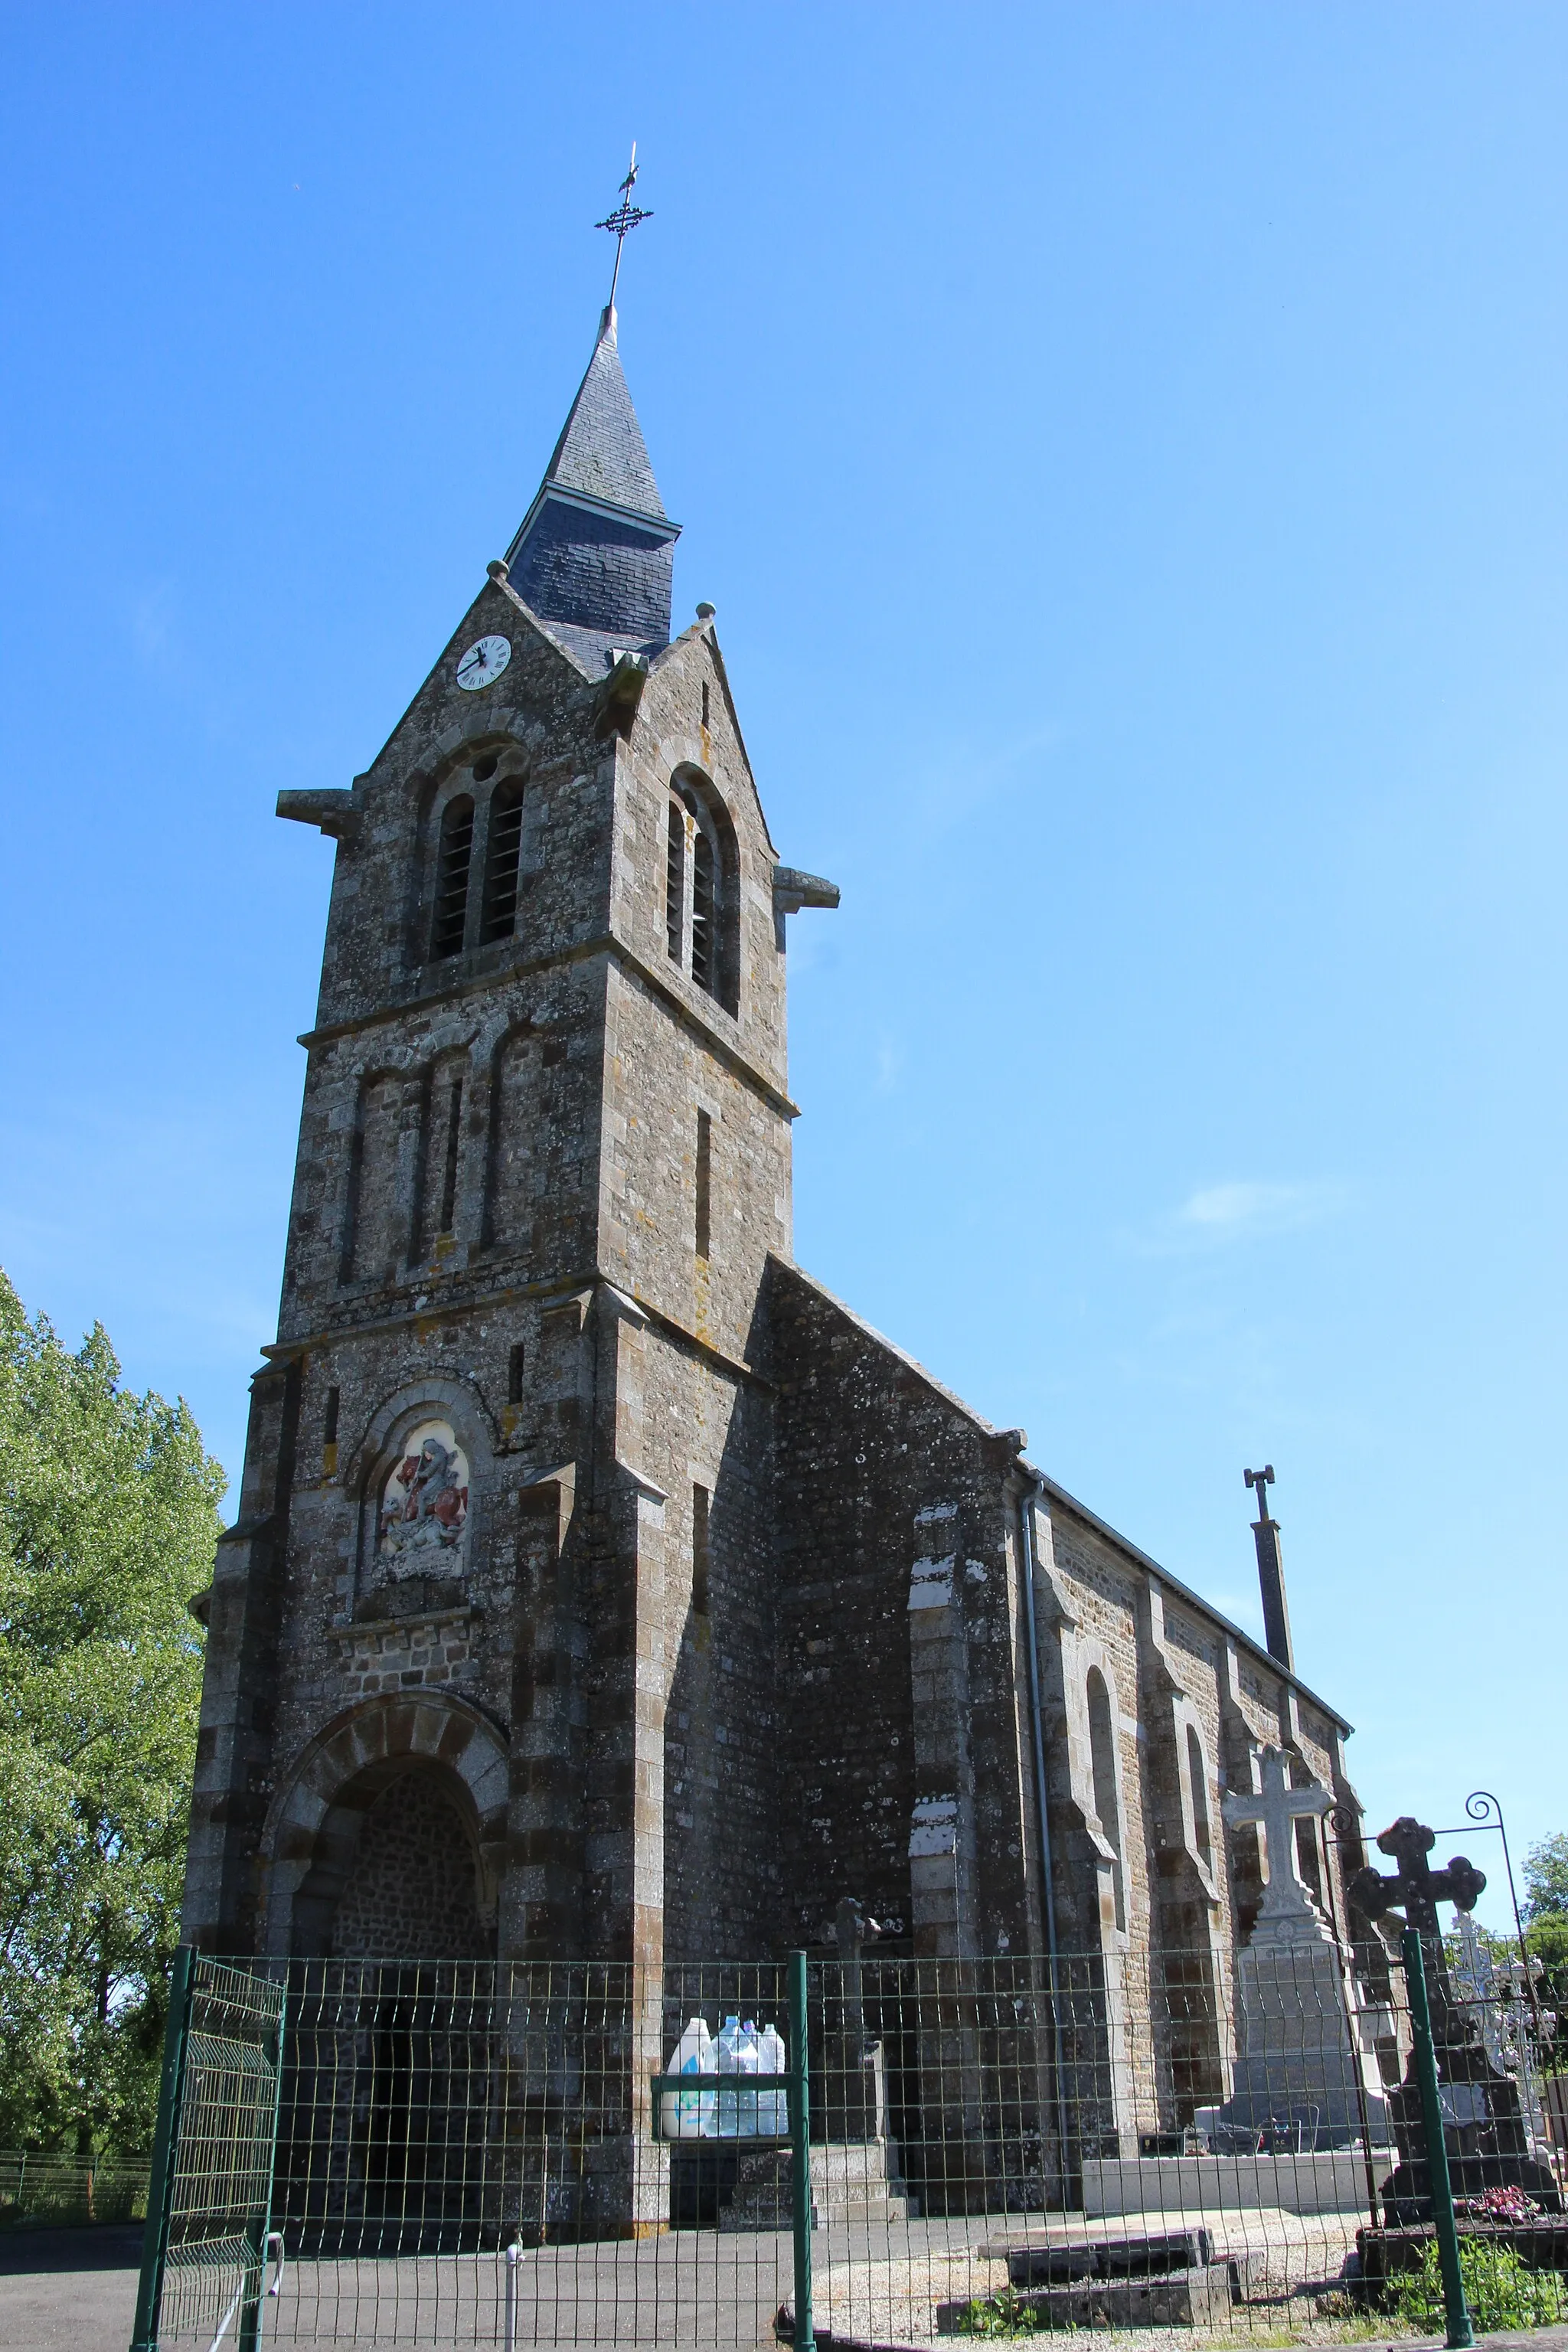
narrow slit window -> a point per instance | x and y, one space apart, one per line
514 1369
330 1433
704 1183
449 1164
353 1190
452 877
705 702
502 863
702 911
675 881
699 1504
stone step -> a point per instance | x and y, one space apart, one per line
854 2185
854 2210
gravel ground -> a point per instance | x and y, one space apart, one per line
890 2297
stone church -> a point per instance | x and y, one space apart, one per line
602 1586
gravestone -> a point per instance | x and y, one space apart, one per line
1499 1994
853 2106
1299 2083
1484 2124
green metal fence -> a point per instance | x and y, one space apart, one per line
887 2152
52 2189
209 2207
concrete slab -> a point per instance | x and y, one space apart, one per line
1334 2181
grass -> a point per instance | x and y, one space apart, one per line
1501 2291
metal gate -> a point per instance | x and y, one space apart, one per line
209 2203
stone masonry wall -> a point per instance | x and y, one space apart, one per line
887 1705
411 1891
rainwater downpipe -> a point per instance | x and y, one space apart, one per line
1035 1486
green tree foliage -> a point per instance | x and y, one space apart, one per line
1546 1935
107 1517
1546 1877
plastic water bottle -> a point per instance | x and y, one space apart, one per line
689 2114
749 2061
772 2106
727 2053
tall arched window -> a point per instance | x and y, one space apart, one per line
701 894
1197 1775
1103 1761
502 856
452 877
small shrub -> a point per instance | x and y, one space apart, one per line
1499 2290
994 2316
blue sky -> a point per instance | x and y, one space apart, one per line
1125 446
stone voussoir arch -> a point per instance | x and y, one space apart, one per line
312 1827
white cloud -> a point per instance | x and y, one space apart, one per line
151 618
1240 1209
1221 1216
889 1066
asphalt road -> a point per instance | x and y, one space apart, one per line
68 2290
75 2291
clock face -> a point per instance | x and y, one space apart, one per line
483 663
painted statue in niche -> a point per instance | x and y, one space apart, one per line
424 1505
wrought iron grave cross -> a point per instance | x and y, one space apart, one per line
1418 1888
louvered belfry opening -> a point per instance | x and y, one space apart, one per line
501 862
702 911
675 882
452 877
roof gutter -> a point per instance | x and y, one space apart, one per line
1034 1487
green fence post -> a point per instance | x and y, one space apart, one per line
1460 2332
165 2148
800 2153
249 2334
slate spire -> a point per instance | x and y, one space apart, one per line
596 552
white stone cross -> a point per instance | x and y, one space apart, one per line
1279 1806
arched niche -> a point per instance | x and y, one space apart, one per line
435 1548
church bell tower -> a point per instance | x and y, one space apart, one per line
488 1667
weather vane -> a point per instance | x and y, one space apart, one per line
624 219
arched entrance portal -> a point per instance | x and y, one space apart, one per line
384 1854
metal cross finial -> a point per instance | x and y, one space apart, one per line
624 219
1262 1480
